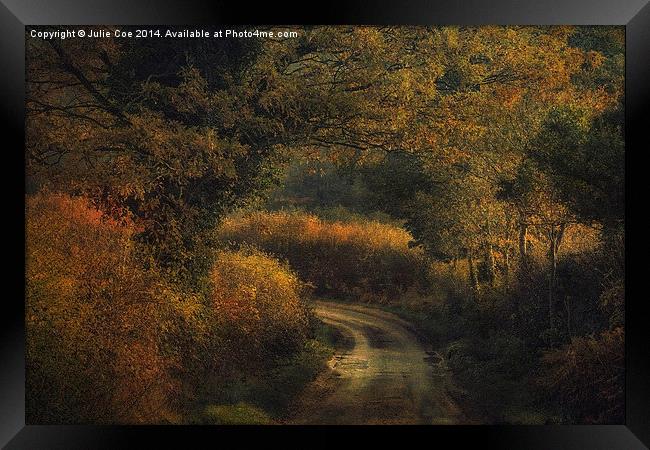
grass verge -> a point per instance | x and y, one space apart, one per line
264 398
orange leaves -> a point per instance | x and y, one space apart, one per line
306 227
340 258
258 305
93 318
509 95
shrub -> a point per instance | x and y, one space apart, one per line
493 370
93 319
612 302
586 377
365 260
258 306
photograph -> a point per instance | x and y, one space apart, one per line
325 225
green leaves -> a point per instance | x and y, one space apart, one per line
583 155
180 131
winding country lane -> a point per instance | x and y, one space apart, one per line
385 376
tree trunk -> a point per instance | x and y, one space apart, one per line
489 255
555 236
567 307
523 246
473 276
491 264
506 267
551 282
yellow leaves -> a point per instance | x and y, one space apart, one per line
256 300
510 96
94 315
290 226
452 37
340 257
368 36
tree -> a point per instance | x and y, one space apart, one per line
176 131
180 131
584 158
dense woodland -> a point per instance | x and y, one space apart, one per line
186 198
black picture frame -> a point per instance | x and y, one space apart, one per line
16 14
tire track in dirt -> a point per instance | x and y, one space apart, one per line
387 377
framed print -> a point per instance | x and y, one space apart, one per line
387 221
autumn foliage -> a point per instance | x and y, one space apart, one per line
94 319
484 167
362 260
109 341
587 376
258 305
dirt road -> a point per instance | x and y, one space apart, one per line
384 376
